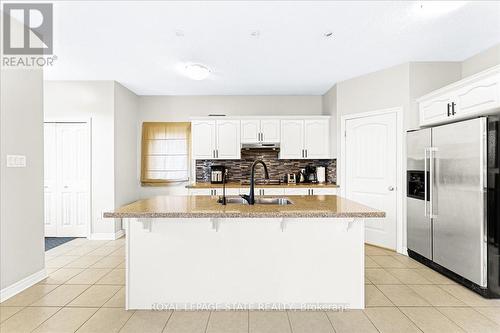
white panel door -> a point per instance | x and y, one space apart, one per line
228 140
317 138
50 180
292 139
250 129
203 139
370 172
73 179
270 130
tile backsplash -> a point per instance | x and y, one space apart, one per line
240 169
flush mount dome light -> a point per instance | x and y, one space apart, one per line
196 71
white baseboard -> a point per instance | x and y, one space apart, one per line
107 235
19 286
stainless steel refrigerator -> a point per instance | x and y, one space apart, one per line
452 201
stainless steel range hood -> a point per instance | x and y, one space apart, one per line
261 145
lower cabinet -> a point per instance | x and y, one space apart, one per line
268 191
213 191
311 191
265 191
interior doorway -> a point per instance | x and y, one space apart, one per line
67 179
371 169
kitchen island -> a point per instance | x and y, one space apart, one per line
190 252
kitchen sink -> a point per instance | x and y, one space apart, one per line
260 201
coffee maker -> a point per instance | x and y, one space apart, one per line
308 174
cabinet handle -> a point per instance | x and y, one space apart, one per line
302 153
261 136
217 153
453 108
306 152
312 191
448 109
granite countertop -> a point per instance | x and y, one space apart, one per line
304 206
283 185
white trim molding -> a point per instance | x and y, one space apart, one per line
400 168
107 235
23 284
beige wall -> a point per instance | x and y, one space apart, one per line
84 101
21 189
481 61
180 108
329 106
126 110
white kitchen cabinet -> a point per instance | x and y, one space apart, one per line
324 191
436 110
203 139
297 191
213 191
215 139
317 138
250 131
292 139
228 140
471 97
268 191
270 130
305 139
482 95
254 130
311 191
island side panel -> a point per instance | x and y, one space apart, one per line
249 262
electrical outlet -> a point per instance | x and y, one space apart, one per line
16 161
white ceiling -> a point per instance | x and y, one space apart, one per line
135 43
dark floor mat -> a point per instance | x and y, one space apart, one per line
52 242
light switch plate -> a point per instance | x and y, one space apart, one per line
16 161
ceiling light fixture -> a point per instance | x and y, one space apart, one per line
437 8
255 33
196 71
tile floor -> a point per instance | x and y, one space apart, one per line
85 293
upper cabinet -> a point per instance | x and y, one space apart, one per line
216 139
305 139
299 137
471 97
254 130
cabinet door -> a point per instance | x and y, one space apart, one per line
201 191
292 139
250 131
297 191
324 191
273 191
270 130
317 138
435 111
203 139
228 140
229 191
478 98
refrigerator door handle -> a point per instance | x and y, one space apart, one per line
432 157
425 181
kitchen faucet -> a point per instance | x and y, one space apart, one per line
251 197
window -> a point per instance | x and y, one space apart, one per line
165 153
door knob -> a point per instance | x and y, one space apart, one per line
391 188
